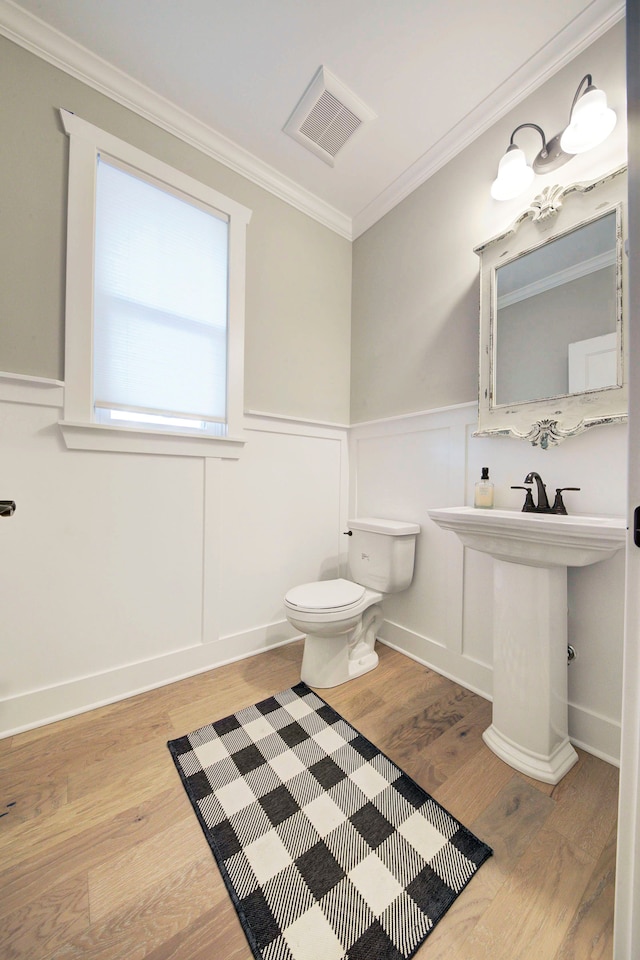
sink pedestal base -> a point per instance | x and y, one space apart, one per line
548 769
530 716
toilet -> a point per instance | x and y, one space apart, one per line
340 617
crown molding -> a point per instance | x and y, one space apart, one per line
54 47
583 30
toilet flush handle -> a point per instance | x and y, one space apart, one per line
347 533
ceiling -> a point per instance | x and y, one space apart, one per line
227 74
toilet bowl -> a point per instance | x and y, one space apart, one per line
340 618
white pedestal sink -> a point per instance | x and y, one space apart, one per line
531 554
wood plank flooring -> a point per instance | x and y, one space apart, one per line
101 856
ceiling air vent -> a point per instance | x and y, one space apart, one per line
327 116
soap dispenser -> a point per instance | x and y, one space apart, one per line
484 491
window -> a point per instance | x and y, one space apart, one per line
155 304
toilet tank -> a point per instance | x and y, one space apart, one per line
381 553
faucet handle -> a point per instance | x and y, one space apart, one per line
558 503
529 505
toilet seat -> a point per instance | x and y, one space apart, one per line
325 595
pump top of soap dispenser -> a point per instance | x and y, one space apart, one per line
485 473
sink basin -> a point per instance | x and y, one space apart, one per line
537 540
531 553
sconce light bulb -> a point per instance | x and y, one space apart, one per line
591 122
514 175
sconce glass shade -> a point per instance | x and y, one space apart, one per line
514 175
591 122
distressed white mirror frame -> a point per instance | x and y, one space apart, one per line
555 212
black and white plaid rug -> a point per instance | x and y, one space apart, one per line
328 850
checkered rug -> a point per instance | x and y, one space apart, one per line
328 850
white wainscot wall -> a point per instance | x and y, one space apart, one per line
402 467
121 572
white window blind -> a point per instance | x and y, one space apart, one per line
160 303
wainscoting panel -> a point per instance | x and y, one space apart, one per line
402 467
121 572
102 560
282 520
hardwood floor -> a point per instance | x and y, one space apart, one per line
101 856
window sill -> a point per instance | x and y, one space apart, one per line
98 436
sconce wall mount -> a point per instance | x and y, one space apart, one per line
590 123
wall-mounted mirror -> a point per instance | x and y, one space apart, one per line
551 315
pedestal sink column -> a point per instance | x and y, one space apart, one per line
531 553
530 716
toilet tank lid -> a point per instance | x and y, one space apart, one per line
392 528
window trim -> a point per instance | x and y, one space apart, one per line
79 428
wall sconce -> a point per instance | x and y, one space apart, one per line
591 121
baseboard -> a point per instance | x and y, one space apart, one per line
468 673
596 734
589 731
39 707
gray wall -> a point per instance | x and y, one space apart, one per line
106 591
103 599
298 272
415 276
413 410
